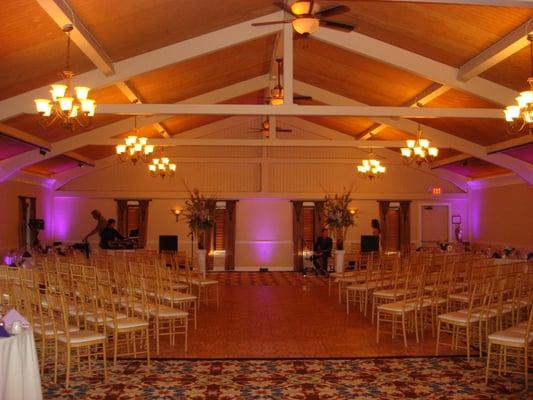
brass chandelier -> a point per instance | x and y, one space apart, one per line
69 106
135 148
520 116
162 167
371 168
419 150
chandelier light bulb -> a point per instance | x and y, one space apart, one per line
82 92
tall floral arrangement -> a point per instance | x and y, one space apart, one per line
338 217
200 215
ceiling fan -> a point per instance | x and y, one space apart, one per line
265 129
308 17
277 92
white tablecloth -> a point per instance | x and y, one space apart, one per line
19 368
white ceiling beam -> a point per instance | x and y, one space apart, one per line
415 63
62 15
73 155
510 144
499 51
494 3
297 110
135 99
450 160
12 165
296 123
427 95
267 143
521 168
24 137
152 60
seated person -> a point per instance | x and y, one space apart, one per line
109 234
322 252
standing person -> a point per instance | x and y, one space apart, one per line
376 231
322 252
101 224
109 234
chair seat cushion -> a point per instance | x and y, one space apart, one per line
510 336
127 323
397 308
80 337
99 319
48 330
458 317
177 296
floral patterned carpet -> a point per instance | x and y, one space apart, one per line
384 378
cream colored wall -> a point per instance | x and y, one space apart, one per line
9 212
502 216
264 234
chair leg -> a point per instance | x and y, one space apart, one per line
115 349
377 326
403 329
489 346
147 347
468 342
67 374
438 338
525 367
218 298
105 362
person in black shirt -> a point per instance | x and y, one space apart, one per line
109 234
322 252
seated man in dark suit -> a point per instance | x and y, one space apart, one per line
110 234
322 252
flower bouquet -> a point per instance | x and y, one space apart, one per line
200 215
338 217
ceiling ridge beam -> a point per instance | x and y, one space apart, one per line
511 43
449 160
134 98
152 60
521 168
293 109
62 14
12 165
425 96
24 137
415 63
74 155
510 144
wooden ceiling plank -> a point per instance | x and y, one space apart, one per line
12 165
450 160
288 109
509 144
415 63
63 15
494 3
441 138
24 137
152 60
288 64
507 46
430 93
135 99
80 158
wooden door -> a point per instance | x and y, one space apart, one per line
393 230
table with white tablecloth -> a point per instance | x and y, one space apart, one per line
19 368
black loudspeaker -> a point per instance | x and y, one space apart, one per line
369 243
168 243
36 224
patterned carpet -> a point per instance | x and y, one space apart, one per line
267 279
388 378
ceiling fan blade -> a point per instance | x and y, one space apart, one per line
340 26
270 23
284 7
302 98
330 11
255 130
283 130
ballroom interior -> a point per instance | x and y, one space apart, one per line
222 138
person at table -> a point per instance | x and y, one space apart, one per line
322 251
110 234
101 224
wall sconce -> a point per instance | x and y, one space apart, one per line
352 211
176 212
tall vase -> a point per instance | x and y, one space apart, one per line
339 261
201 254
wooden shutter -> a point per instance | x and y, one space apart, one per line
220 217
132 219
308 220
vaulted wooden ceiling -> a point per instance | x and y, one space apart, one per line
33 53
